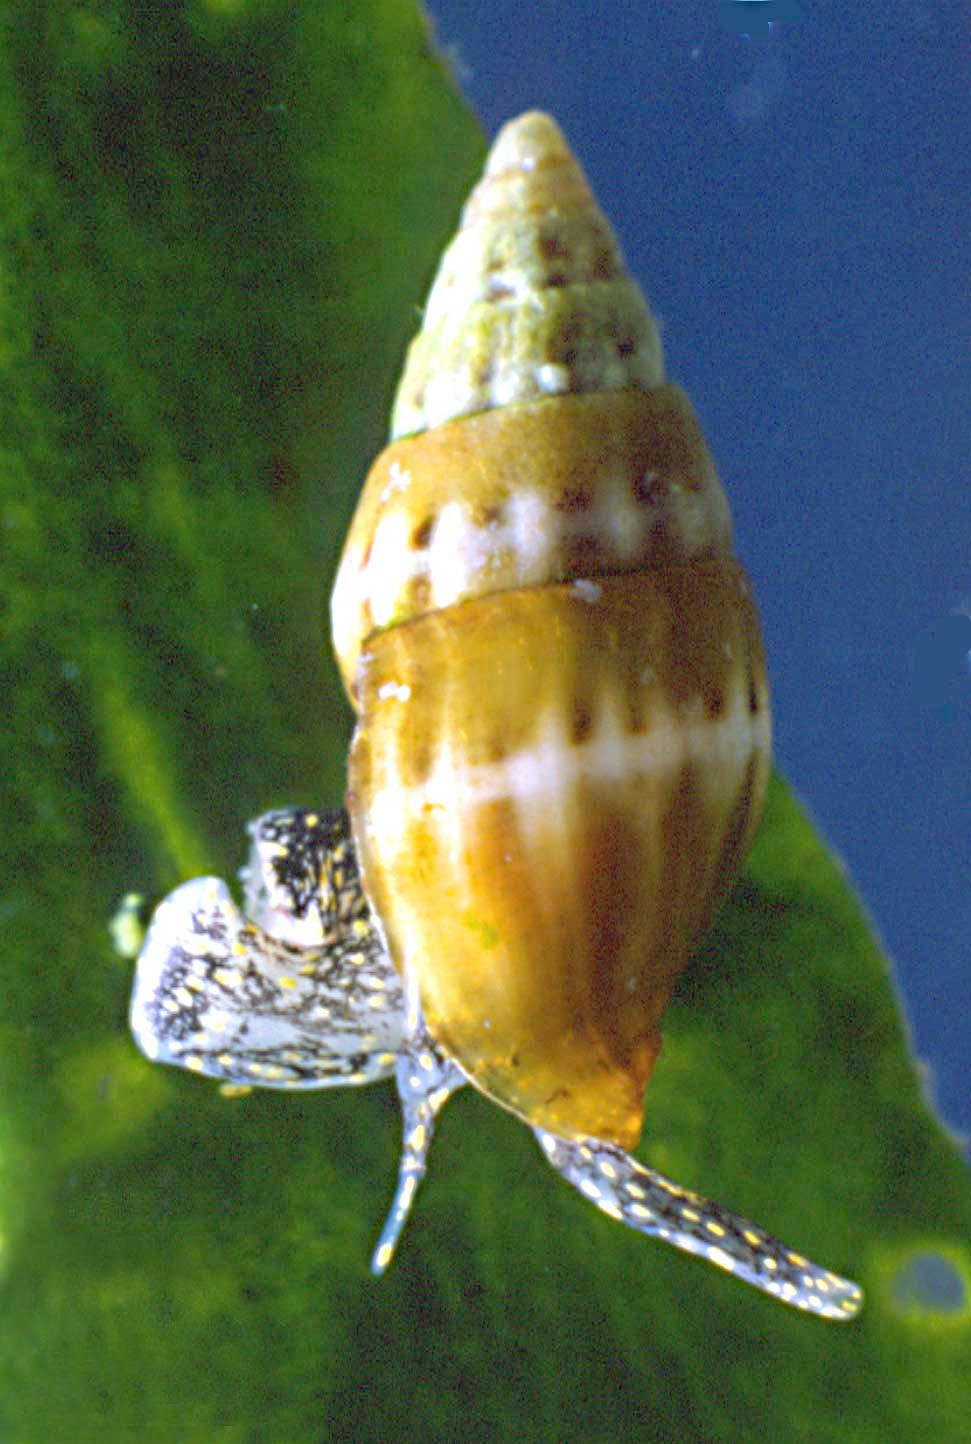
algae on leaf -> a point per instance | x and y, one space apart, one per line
217 221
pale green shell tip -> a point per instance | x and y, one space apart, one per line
532 297
525 139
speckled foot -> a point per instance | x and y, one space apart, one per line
645 1200
426 1079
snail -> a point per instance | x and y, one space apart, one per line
561 752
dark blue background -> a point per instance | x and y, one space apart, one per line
796 207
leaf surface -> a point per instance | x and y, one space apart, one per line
217 223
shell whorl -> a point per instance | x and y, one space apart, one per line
563 726
532 296
536 440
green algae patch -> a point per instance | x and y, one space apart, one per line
107 1097
218 220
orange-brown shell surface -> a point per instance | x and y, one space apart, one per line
563 725
551 795
571 486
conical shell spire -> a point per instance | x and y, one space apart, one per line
535 440
532 297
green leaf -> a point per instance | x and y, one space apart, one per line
217 222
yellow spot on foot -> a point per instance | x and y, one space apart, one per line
721 1259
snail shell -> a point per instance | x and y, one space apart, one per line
562 744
